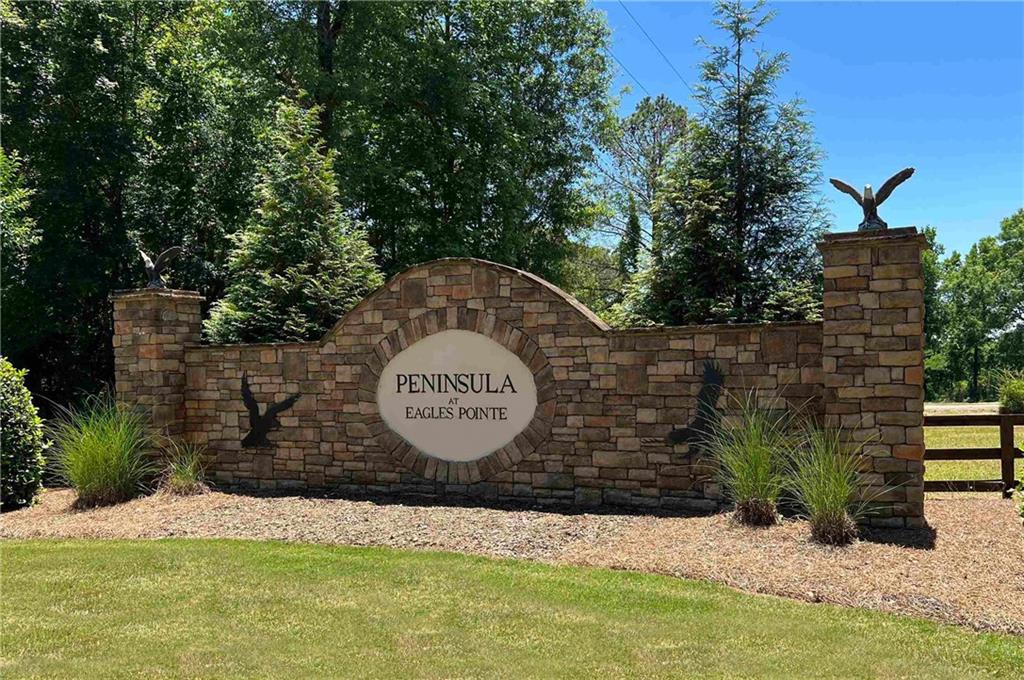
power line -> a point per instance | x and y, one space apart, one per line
628 72
651 40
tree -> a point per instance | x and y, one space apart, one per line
468 128
972 289
638 149
629 246
300 263
739 210
71 76
974 321
19 228
936 376
201 117
592 276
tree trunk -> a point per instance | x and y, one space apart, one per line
975 393
738 251
329 22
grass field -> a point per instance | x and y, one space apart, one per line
189 608
967 437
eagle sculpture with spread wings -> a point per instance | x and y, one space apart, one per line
260 425
870 201
155 270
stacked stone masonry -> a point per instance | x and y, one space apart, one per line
151 329
873 363
606 398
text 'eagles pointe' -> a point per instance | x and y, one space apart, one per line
453 383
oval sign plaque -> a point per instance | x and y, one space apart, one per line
456 395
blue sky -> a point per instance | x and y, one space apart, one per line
937 86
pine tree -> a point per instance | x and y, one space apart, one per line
629 245
740 214
299 264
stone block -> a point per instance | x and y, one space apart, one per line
631 379
619 459
779 346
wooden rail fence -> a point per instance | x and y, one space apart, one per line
1006 452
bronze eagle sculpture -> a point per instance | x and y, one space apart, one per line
155 270
870 201
260 425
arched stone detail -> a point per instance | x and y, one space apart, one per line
488 325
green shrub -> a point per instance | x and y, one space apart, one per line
21 440
1011 391
750 456
299 263
183 472
822 477
101 450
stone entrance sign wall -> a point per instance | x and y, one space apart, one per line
550 404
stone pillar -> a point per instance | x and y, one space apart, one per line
873 363
151 328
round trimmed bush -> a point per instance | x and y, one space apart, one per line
21 440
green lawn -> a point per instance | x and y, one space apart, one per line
189 608
962 438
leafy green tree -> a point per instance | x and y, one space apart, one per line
740 212
1010 347
794 301
972 289
300 263
974 316
592 276
633 309
468 127
201 118
71 75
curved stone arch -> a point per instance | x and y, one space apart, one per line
585 313
490 326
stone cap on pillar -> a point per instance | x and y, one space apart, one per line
129 293
878 237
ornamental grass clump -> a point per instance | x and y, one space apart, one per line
183 473
101 449
822 478
751 459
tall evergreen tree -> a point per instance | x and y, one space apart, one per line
740 212
629 245
20 233
300 263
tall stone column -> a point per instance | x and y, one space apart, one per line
151 328
873 363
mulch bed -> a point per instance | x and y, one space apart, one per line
968 570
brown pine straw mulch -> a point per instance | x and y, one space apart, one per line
968 570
